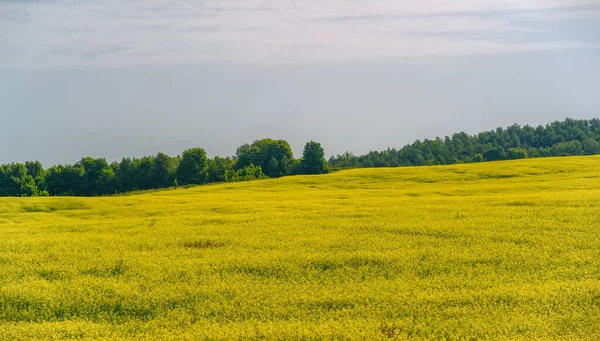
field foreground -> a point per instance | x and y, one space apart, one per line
507 250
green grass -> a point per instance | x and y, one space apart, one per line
506 250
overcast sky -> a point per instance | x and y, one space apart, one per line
132 78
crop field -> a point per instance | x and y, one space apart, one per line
503 251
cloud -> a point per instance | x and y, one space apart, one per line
65 33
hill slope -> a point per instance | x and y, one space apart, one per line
490 250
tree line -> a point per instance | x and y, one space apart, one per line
559 138
266 158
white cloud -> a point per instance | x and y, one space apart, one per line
63 33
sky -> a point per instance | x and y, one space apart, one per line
133 78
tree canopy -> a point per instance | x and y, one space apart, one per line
569 137
273 158
313 159
193 167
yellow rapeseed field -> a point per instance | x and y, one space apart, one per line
502 251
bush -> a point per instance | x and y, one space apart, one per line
494 154
247 173
516 153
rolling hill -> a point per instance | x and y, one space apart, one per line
497 250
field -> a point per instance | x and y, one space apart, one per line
506 250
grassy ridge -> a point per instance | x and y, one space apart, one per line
506 250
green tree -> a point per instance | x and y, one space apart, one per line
313 159
163 171
15 181
247 173
37 171
125 175
218 167
275 157
193 167
478 158
144 172
496 153
66 180
516 153
93 171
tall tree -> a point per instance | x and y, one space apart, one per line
193 167
273 156
313 158
14 181
218 168
163 171
144 172
66 180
